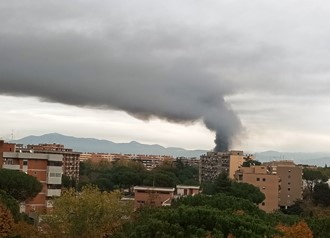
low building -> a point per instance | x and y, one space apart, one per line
185 190
153 196
47 168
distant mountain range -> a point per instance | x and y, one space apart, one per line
133 147
105 146
316 158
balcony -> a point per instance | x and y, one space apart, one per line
54 169
11 166
54 180
53 192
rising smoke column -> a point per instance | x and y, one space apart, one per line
225 123
147 72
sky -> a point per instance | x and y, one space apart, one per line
254 75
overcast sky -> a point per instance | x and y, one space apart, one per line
168 72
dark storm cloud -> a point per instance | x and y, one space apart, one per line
148 69
176 61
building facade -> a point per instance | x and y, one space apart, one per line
185 190
280 181
46 168
290 175
71 159
262 178
214 163
5 147
152 196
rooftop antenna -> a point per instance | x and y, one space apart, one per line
12 134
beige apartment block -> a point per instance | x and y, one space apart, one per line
268 183
291 181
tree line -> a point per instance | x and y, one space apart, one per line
93 207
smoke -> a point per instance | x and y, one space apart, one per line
146 69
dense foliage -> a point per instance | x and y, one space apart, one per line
11 204
108 176
89 213
225 209
199 216
19 185
312 177
223 184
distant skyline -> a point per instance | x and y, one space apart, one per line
162 73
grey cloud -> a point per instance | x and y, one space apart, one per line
177 61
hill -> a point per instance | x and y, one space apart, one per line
106 146
316 158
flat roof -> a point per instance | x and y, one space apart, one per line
187 186
154 189
38 156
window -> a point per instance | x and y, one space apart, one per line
289 189
54 186
264 179
54 163
25 162
55 175
258 179
263 187
263 204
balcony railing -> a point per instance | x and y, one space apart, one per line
11 166
53 192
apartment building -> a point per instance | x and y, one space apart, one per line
280 181
71 159
5 147
98 157
152 196
149 161
266 181
290 175
47 168
214 163
194 162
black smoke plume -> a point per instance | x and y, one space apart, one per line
147 70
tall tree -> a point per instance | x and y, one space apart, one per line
312 176
247 191
89 213
19 185
321 194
